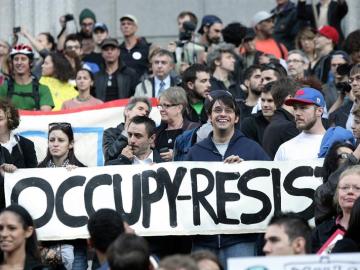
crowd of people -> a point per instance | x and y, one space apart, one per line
284 86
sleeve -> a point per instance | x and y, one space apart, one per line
45 96
342 9
248 129
113 144
29 153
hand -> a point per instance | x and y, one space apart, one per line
167 156
233 159
128 152
7 168
24 31
128 229
62 21
171 46
70 167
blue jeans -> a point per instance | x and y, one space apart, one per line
80 258
246 249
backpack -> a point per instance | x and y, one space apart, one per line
34 94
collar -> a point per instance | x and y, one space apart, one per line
148 160
9 145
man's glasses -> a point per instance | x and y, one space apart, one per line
219 110
70 48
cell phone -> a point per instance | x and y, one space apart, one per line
68 17
164 150
16 29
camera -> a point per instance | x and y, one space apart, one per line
68 17
343 70
16 29
343 87
186 35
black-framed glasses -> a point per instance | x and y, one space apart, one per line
166 106
59 124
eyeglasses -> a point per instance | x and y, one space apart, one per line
295 61
87 24
60 124
75 47
348 187
343 155
219 110
356 78
166 106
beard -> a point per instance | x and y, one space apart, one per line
306 126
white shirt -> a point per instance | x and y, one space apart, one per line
148 160
167 82
302 147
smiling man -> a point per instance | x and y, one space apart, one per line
308 105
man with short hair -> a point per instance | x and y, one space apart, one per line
22 88
134 49
210 30
298 64
272 72
287 234
196 83
114 80
116 139
222 64
226 144
263 24
308 105
254 126
282 126
162 65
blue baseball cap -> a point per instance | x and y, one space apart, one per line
208 20
307 95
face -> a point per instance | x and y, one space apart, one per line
168 110
201 85
128 28
48 66
140 109
87 26
207 264
266 27
267 76
253 84
138 139
110 54
321 42
336 61
227 62
356 127
21 64
99 35
305 115
3 123
42 39
161 66
213 33
296 65
355 57
222 117
73 48
267 104
4 49
308 44
12 234
354 81
277 242
59 144
181 21
348 191
342 150
83 81
250 46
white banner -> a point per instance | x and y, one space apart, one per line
88 125
168 198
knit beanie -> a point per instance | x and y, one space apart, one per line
86 13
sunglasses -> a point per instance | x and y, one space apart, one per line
60 124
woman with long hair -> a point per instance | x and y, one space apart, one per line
18 241
85 85
305 41
56 74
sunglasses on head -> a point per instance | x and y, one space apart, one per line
60 124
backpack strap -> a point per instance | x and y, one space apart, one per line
35 94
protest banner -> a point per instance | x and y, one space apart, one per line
175 198
348 261
88 125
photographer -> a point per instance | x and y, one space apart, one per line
186 51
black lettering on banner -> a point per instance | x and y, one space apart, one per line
222 197
45 187
149 198
93 183
133 216
199 196
289 180
172 190
276 174
63 216
242 186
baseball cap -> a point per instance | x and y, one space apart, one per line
260 16
330 33
208 20
110 42
129 17
307 95
101 26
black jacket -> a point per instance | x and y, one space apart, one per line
234 88
281 129
23 154
126 81
340 116
254 126
346 245
114 142
123 160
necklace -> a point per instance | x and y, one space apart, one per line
83 99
